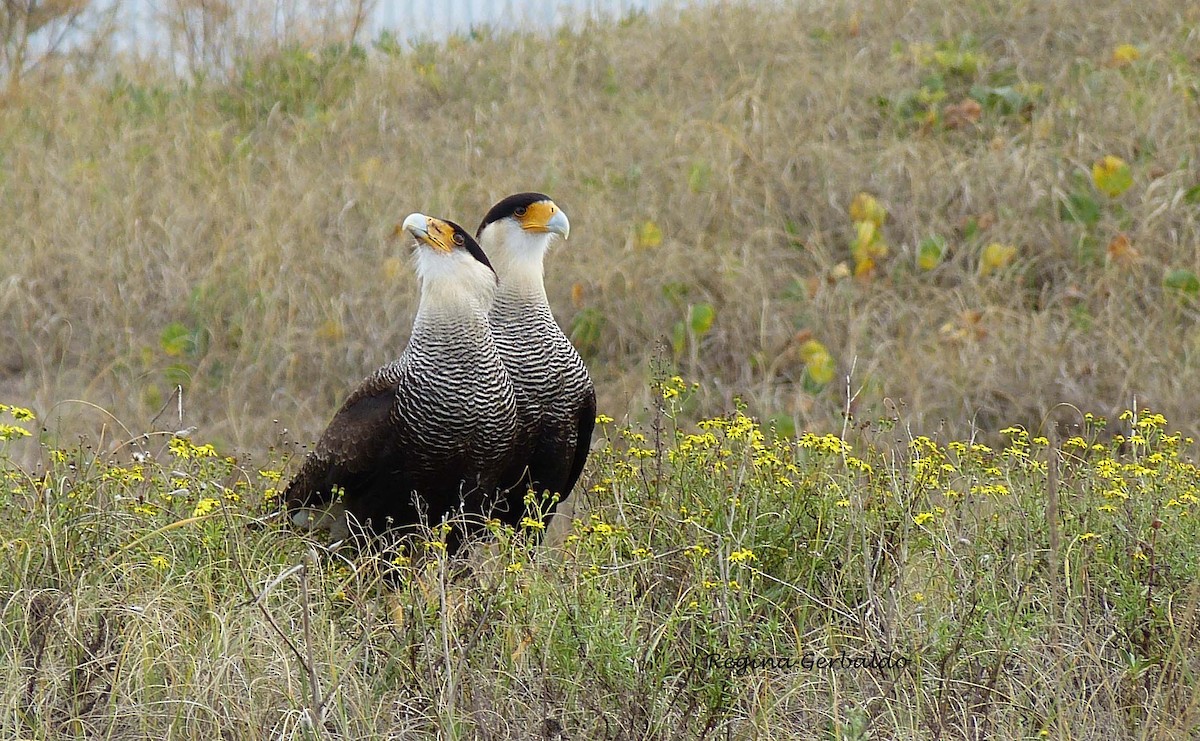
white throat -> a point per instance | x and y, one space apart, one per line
518 257
453 284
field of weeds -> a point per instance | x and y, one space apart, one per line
714 583
876 297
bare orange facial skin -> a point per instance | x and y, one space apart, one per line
537 216
438 234
442 236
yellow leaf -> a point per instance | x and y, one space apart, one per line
864 236
649 235
1125 54
868 247
1112 175
864 207
996 256
818 361
811 349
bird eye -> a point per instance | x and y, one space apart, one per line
458 239
521 212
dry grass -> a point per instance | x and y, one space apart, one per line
252 217
231 238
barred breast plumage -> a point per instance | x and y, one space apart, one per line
432 434
556 400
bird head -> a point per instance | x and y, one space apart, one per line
517 231
445 251
532 219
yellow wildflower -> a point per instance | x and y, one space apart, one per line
204 506
743 556
12 432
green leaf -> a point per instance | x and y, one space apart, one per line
1112 176
586 330
1192 195
679 339
1182 281
676 292
649 235
1081 318
931 252
701 319
971 228
794 238
698 177
784 425
177 340
1080 208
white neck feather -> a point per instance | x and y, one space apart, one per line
454 283
518 257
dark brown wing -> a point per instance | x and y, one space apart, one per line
585 423
358 439
558 455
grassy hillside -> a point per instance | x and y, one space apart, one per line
716 583
976 229
231 237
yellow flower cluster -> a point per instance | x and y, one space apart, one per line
15 432
595 530
675 386
135 474
185 449
923 517
992 490
742 556
204 506
830 444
